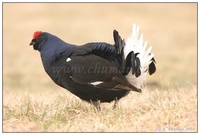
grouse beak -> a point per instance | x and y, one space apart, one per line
32 42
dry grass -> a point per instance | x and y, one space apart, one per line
151 111
33 103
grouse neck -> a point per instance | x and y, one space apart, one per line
52 50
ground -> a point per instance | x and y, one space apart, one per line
168 102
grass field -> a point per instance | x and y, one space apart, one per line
33 103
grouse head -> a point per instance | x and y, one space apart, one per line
39 38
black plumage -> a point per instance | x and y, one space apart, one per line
95 72
152 67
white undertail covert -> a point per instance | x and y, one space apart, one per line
136 43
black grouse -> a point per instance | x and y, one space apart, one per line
96 72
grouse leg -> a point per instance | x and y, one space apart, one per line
97 104
115 103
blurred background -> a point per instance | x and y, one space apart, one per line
171 28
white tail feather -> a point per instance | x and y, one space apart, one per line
137 44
